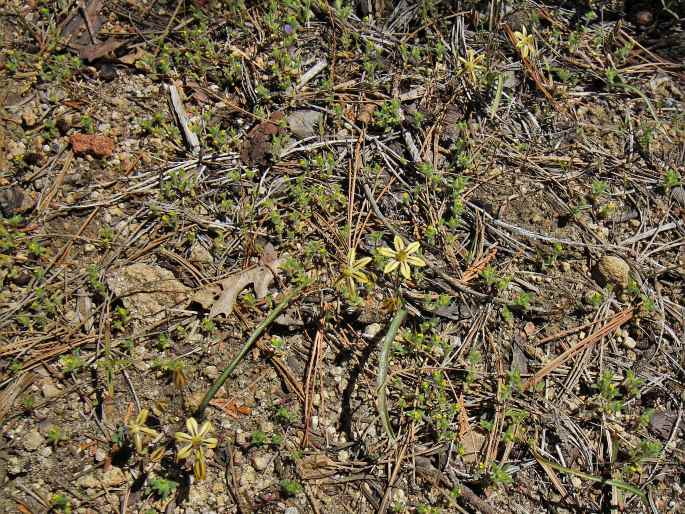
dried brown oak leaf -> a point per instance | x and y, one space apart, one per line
220 298
257 145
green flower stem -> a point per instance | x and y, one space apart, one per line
199 414
384 360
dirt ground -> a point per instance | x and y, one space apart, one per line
342 256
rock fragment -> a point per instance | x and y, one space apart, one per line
614 270
97 145
147 291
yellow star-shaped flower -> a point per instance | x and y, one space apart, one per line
352 271
471 65
138 430
401 257
194 442
525 42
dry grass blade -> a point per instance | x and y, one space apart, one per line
9 395
619 484
618 320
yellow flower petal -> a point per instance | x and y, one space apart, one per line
142 417
205 429
138 442
191 425
210 442
415 261
200 469
399 244
182 437
412 248
184 452
405 270
362 262
391 266
361 277
149 431
386 252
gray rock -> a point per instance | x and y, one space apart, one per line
15 200
614 270
629 342
260 462
113 477
372 330
147 291
33 440
200 254
304 123
50 390
100 455
211 372
248 476
88 481
662 423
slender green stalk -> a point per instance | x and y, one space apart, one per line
199 414
384 360
620 484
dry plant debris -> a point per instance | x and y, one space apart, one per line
199 202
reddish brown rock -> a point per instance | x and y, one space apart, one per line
94 144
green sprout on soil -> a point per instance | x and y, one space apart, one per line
121 318
388 116
194 443
60 503
499 475
401 257
163 487
72 362
177 369
55 435
671 179
258 438
522 300
290 487
286 416
609 393
646 450
599 189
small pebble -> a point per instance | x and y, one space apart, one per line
242 438
372 330
260 462
100 455
614 270
33 440
629 342
211 372
50 390
248 476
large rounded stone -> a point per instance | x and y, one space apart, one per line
614 270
